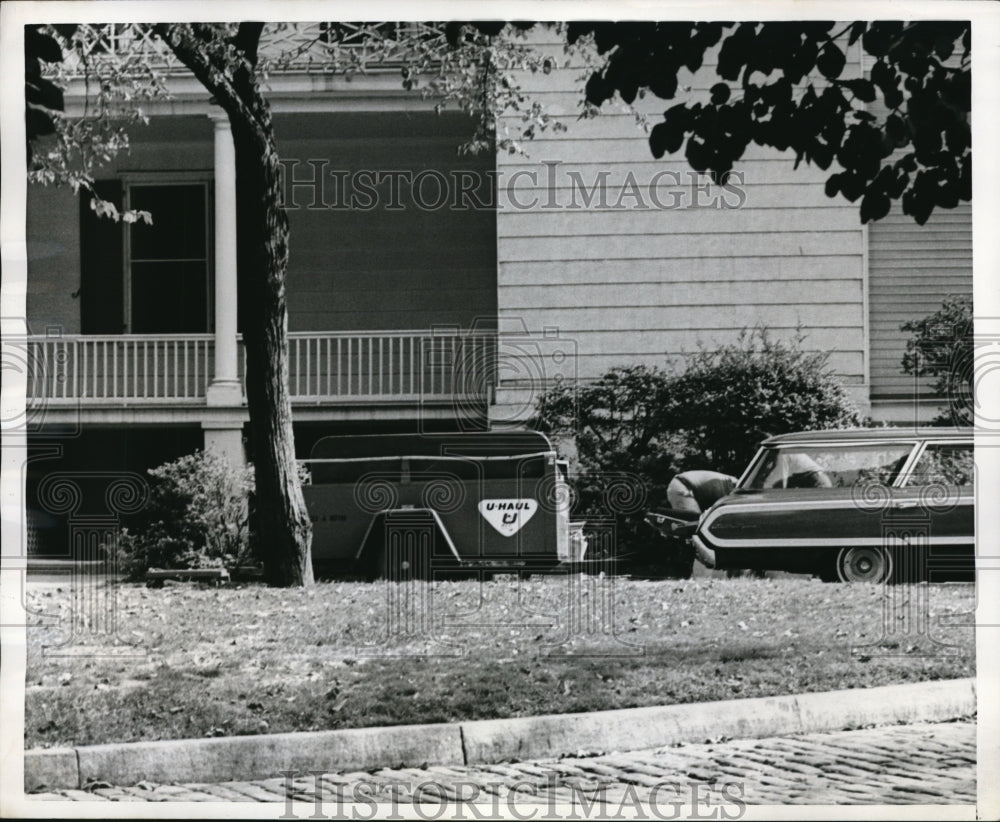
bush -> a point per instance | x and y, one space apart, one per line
651 424
610 428
729 399
941 346
197 517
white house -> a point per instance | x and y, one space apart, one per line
429 290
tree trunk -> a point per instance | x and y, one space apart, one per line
226 67
284 532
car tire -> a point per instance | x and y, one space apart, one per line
871 564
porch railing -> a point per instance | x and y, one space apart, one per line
324 367
388 365
123 368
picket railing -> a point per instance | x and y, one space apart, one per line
324 367
123 367
388 365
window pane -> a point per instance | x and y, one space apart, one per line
178 229
829 466
169 297
944 464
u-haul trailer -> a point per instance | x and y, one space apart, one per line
436 505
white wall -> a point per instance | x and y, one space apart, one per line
634 285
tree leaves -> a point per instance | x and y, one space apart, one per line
43 98
862 89
942 346
719 93
831 61
874 206
788 85
668 136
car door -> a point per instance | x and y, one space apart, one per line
935 503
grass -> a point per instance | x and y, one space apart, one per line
249 659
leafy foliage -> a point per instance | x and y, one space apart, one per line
43 98
651 424
65 149
616 426
780 84
783 85
730 398
941 346
197 517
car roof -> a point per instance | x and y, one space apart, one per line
871 435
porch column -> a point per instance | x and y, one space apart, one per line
225 387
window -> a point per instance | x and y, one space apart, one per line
168 282
944 464
829 466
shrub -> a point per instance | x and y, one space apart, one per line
197 517
941 346
609 428
729 399
651 424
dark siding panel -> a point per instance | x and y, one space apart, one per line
911 269
385 268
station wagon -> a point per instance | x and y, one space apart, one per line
865 505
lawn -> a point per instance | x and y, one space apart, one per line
246 659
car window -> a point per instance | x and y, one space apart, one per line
947 464
829 466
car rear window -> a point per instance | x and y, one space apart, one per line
828 466
945 464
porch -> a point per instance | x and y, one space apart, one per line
177 371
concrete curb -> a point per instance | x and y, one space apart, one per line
470 743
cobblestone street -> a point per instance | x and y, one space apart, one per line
912 764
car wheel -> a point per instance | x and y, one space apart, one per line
866 564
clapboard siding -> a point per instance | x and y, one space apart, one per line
717 268
745 292
53 247
912 269
350 269
842 363
580 322
641 283
594 222
385 268
776 242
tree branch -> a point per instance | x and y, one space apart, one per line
195 50
247 40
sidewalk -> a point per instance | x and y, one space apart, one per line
488 742
925 763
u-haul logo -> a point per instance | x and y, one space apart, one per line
508 516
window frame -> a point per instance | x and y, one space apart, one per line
915 448
908 470
163 180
